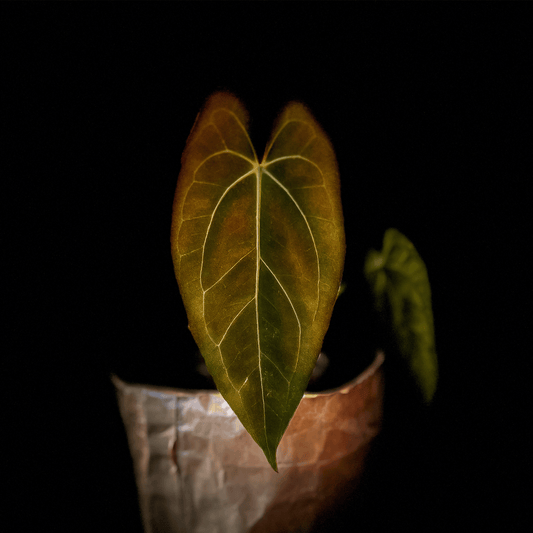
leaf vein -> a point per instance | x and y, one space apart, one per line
293 310
281 128
287 192
241 125
277 367
229 270
296 157
208 229
214 154
232 321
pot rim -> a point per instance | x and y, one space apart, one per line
343 389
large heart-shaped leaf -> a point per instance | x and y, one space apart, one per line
258 251
400 284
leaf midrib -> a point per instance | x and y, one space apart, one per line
258 172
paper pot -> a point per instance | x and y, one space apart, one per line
198 470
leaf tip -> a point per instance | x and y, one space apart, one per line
271 458
428 380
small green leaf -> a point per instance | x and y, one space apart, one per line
400 284
258 251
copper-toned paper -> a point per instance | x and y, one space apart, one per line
198 470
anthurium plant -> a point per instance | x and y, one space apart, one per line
258 249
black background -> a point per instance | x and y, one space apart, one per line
431 121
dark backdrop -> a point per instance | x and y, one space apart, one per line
430 119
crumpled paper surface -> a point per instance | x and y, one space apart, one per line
198 470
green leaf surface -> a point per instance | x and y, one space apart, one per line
399 281
258 251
